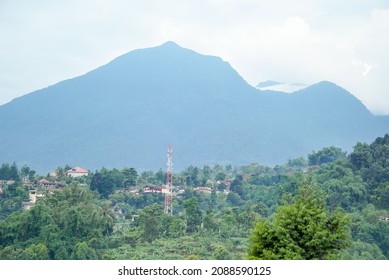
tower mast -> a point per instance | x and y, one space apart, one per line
168 193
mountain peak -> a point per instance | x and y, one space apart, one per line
170 44
326 84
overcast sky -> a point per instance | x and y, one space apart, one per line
346 42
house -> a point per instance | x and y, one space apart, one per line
77 172
154 189
46 183
203 189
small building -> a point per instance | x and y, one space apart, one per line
77 172
203 189
154 189
46 183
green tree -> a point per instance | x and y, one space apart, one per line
193 215
103 182
221 253
210 222
372 161
36 252
24 172
301 230
234 199
237 185
5 172
130 176
82 251
150 222
326 155
220 176
14 172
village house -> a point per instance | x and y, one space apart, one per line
203 189
45 183
77 172
155 189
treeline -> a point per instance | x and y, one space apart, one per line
219 212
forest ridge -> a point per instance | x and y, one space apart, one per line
330 205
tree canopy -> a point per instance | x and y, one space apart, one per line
304 229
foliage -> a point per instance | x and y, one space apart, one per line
326 155
301 230
193 215
372 161
59 222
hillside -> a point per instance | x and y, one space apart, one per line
126 112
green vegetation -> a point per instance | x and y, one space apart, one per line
332 205
303 230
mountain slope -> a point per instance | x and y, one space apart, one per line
126 112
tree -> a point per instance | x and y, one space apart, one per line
210 222
234 199
193 215
14 172
5 171
83 252
372 161
24 172
130 176
36 252
221 253
103 182
31 175
326 155
150 222
237 185
301 230
220 176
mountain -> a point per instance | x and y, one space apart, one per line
126 112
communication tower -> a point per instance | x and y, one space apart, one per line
168 193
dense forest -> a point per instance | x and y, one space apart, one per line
330 205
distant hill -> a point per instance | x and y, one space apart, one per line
126 112
268 83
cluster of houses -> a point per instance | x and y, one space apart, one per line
49 187
38 190
220 185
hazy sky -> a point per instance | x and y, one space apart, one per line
346 42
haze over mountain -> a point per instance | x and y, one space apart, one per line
126 112
278 86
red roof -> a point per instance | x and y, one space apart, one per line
77 169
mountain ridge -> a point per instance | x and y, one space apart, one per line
127 111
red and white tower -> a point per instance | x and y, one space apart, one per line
168 193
